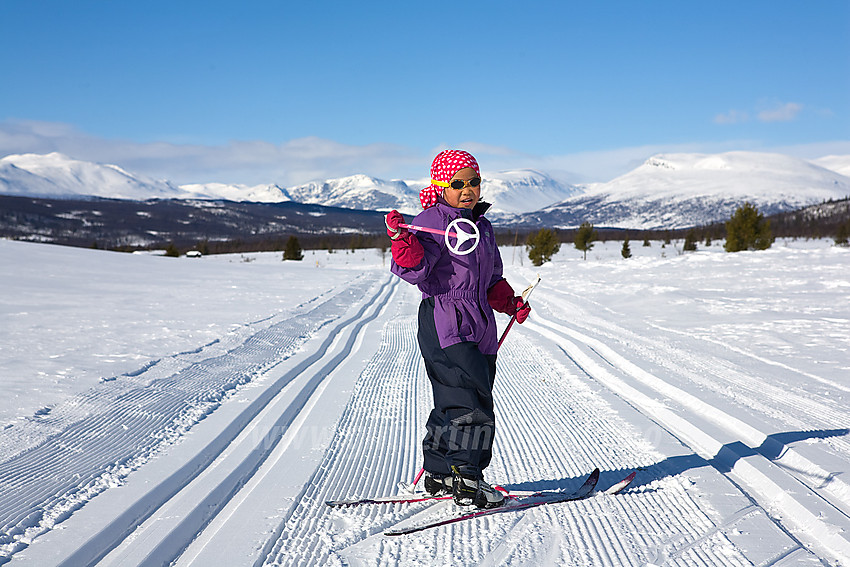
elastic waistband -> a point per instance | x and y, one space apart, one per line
455 294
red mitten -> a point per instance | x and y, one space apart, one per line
501 297
407 250
392 220
521 311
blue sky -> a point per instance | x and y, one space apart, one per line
256 92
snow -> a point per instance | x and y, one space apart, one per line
667 191
840 164
256 193
671 191
748 175
770 181
199 411
58 176
521 191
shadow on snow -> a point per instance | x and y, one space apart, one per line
724 461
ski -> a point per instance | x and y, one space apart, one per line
620 486
398 499
423 497
515 504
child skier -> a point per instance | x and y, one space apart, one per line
457 328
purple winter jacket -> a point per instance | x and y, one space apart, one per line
458 283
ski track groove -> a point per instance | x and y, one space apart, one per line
552 430
757 387
247 468
45 483
809 526
697 367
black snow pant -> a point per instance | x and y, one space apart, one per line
460 429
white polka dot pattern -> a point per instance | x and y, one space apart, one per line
443 168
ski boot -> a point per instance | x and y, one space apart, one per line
468 490
438 485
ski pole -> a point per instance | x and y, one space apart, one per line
427 229
525 296
411 487
460 235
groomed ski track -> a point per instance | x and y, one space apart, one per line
330 402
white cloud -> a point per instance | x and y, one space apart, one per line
768 112
250 162
781 112
732 117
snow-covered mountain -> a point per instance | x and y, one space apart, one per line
359 192
254 193
841 164
510 192
667 191
680 190
58 176
523 191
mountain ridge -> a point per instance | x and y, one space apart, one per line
58 176
680 190
666 191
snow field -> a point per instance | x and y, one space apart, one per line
137 418
721 378
182 518
770 485
554 443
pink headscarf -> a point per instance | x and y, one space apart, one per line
443 168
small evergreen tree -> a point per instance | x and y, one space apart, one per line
707 240
646 243
585 235
626 251
747 230
293 249
171 251
542 246
842 234
690 241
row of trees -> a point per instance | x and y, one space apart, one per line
747 229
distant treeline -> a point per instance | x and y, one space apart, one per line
228 228
817 221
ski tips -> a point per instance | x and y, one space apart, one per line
620 486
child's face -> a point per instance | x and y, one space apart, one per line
466 197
